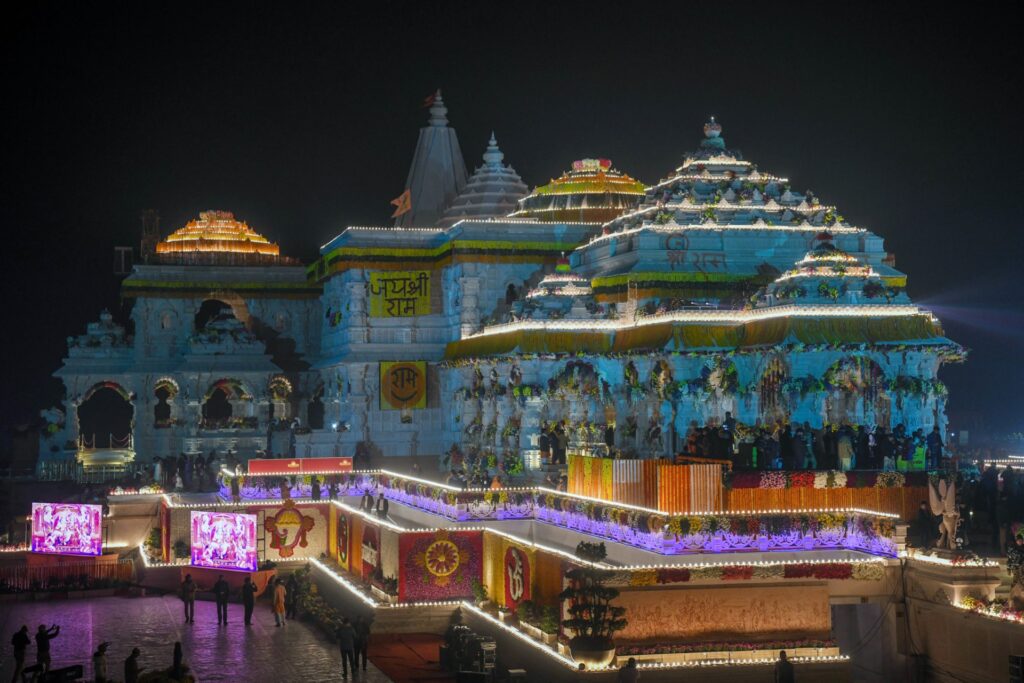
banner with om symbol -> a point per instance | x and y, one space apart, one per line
517 576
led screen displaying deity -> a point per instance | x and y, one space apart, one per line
67 529
224 540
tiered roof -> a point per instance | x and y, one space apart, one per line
492 191
716 185
828 275
591 191
217 237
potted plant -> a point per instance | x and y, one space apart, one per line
592 617
526 613
548 624
479 594
181 550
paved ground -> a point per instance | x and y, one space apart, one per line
258 653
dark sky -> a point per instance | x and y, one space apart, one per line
302 122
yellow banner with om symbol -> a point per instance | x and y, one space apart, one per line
403 385
399 293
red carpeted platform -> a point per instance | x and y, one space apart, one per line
408 657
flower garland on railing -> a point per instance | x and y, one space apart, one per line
823 479
675 534
999 609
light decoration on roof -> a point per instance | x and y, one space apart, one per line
709 316
217 231
561 284
592 189
825 260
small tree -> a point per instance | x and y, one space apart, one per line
592 616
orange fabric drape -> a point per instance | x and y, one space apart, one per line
674 488
898 500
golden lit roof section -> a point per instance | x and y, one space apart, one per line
591 191
217 232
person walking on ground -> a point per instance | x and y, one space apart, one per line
20 643
43 638
99 663
131 667
783 669
188 596
629 673
362 629
382 506
347 645
280 595
292 586
248 599
221 591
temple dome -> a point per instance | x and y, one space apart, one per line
217 236
491 192
592 191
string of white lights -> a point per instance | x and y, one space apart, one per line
693 664
708 316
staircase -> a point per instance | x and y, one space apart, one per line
1003 589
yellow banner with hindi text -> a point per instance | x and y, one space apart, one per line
399 293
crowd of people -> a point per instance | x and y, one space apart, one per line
187 472
787 446
20 643
353 636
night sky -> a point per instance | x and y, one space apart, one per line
302 123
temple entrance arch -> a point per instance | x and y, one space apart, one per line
226 403
856 387
280 391
106 416
164 392
218 304
770 388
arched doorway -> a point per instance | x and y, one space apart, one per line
280 391
853 381
770 390
164 392
106 416
226 404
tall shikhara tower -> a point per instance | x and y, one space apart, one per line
438 173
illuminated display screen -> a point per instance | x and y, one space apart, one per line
224 540
67 529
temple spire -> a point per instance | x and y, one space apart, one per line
438 112
493 156
437 173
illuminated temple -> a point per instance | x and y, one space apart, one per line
621 311
598 302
